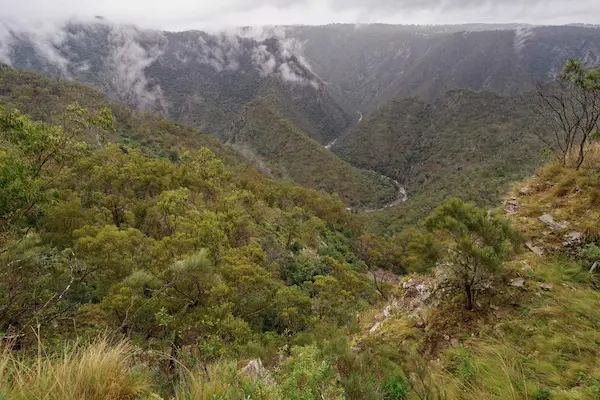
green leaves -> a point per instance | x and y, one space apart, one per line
476 243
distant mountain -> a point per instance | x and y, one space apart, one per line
371 65
465 144
280 94
201 79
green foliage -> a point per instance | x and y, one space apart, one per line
466 144
571 111
306 162
541 394
34 153
589 254
307 376
476 243
394 388
181 257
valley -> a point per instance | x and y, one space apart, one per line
306 212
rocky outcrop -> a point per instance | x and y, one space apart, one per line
549 221
256 371
512 207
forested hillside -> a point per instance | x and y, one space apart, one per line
467 144
141 258
280 147
266 132
372 65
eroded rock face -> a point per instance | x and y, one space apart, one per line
417 295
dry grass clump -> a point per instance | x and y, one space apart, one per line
100 371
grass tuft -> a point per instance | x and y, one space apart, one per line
100 371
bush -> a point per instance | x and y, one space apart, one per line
394 388
541 394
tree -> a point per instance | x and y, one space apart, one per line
570 109
33 155
475 243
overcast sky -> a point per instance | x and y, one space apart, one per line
207 14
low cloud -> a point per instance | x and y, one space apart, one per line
204 15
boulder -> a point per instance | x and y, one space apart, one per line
549 221
572 239
546 286
525 190
512 207
256 371
517 282
374 328
535 249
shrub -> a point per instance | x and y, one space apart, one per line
394 388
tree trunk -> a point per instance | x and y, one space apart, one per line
469 293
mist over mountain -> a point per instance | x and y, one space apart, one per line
195 77
320 79
370 65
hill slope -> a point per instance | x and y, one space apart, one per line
200 79
466 144
371 65
46 99
267 134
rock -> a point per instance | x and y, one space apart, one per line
256 371
536 249
525 190
512 207
549 221
572 239
374 328
446 337
517 282
387 311
355 349
594 266
454 343
546 286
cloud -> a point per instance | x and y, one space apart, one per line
267 50
203 15
61 49
44 38
127 62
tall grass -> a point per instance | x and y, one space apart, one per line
100 371
221 380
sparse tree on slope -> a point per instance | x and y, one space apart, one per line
476 244
570 109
